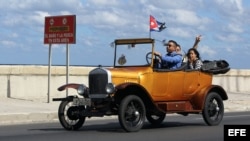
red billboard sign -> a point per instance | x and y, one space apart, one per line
60 29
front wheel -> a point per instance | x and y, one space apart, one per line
69 115
213 109
156 119
132 113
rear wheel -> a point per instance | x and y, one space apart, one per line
69 115
132 113
213 111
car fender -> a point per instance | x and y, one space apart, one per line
130 86
199 99
70 85
125 89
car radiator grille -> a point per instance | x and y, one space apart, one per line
98 78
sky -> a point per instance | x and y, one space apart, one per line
223 24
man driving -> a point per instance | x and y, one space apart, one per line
171 60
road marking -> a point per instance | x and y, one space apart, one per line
237 116
230 116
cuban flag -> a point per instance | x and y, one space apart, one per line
155 25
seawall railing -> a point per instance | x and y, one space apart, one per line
31 81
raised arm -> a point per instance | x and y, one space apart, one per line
196 42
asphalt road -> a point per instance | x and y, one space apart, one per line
174 128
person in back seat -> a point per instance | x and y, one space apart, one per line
184 55
171 60
194 61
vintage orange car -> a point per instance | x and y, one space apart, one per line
135 89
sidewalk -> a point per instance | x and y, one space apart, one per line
18 111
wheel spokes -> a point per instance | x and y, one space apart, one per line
66 116
214 109
133 113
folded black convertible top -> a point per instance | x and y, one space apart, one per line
215 67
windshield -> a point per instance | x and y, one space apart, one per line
132 54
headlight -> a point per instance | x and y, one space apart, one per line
81 89
110 88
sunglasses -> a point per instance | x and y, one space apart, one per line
169 45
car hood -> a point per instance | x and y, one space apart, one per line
129 72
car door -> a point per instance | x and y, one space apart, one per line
191 82
168 85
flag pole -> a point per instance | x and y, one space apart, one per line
149 27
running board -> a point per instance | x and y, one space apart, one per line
180 106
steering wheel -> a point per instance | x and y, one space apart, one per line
156 57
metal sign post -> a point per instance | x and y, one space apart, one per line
49 72
67 68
